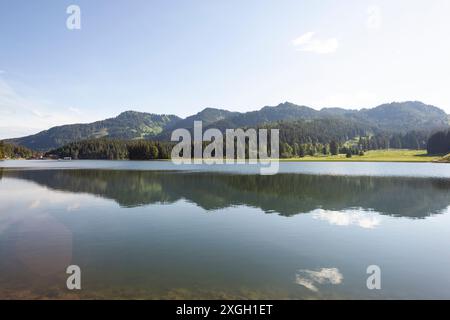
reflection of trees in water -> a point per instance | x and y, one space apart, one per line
286 194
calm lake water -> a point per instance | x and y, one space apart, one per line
152 230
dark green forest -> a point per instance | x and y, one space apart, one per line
11 151
312 138
111 149
333 136
439 143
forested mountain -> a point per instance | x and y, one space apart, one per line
405 116
208 116
284 111
297 139
311 135
393 118
396 117
127 125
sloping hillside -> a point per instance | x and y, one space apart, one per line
394 118
127 125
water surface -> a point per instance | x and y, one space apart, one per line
400 169
144 230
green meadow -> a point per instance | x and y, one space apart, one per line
390 155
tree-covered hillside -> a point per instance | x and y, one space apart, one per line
128 125
297 139
390 119
405 116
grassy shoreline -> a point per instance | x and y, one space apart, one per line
392 155
374 156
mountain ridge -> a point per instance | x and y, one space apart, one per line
391 117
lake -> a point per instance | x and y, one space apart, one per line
153 230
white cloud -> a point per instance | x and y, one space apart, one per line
309 43
39 114
374 18
360 218
311 278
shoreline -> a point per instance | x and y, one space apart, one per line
279 160
380 156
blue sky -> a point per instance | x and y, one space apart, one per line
179 57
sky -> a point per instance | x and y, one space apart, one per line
178 57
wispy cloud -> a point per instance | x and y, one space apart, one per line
309 43
23 114
74 110
374 18
39 114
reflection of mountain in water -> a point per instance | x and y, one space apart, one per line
286 194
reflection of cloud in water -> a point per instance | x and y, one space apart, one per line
39 241
358 217
73 206
34 204
31 201
311 278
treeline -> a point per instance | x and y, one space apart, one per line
342 137
12 151
414 140
319 131
439 143
314 149
110 149
315 140
355 146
